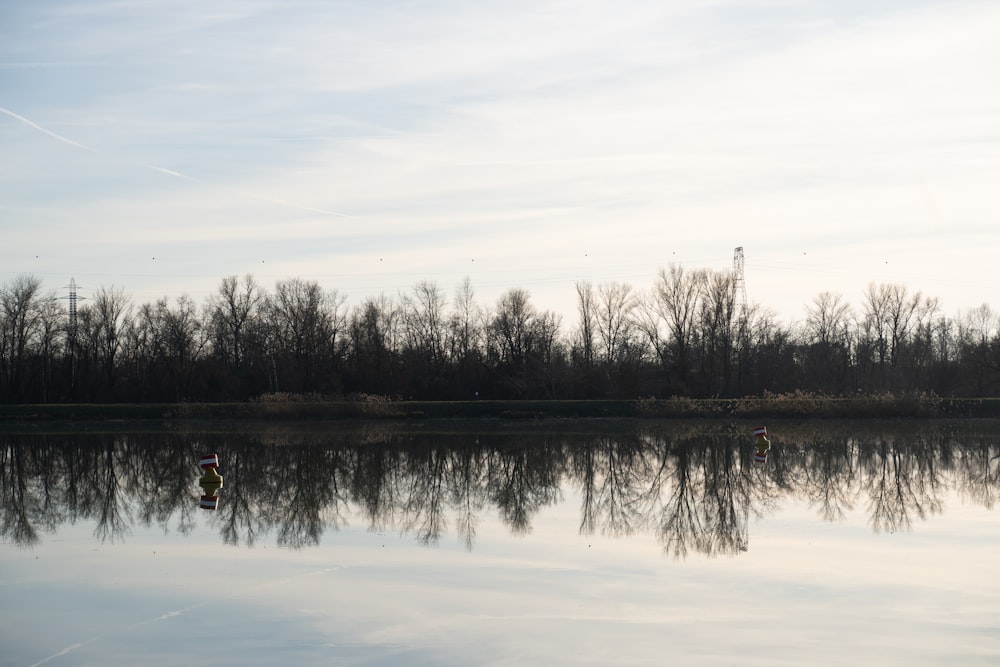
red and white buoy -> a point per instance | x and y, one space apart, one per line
210 482
763 444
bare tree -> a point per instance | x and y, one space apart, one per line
305 324
525 347
233 311
52 322
766 359
892 316
465 341
111 307
584 342
875 323
20 323
827 336
717 332
511 326
621 341
669 320
616 302
180 336
374 341
424 333
828 318
465 323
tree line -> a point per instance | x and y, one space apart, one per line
688 335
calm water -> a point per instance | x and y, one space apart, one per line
644 544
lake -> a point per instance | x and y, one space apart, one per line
503 543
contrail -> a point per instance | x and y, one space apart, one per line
173 173
81 644
48 132
283 202
68 649
180 612
164 170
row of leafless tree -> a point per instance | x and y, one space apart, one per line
688 335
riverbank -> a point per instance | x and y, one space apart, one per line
775 406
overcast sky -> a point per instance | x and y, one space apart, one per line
159 146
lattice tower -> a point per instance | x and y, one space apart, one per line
739 284
72 308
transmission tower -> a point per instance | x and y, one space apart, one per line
72 309
72 331
739 285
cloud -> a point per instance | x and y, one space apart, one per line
566 141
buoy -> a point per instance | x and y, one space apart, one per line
763 444
210 482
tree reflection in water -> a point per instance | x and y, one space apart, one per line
694 486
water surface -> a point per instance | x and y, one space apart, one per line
596 544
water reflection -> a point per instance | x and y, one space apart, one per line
695 487
210 482
763 444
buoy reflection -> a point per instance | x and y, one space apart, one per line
210 482
763 444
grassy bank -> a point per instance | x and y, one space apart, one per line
770 406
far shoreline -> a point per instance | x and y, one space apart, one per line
793 406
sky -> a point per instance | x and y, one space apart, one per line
368 146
